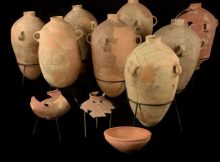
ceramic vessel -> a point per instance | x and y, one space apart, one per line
127 139
151 76
186 44
24 45
112 42
97 106
204 24
58 52
80 18
50 108
137 16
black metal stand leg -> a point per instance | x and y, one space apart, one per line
22 82
135 114
178 116
193 82
96 123
110 121
58 130
85 128
35 126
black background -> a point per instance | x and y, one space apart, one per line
197 104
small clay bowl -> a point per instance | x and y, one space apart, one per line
127 139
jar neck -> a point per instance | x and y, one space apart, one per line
195 6
113 17
29 13
133 1
178 22
151 39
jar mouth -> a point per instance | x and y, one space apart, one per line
195 5
178 22
149 39
29 13
56 18
133 1
113 17
78 6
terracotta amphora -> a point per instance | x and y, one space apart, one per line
24 45
186 44
82 19
112 41
58 52
137 16
50 108
204 24
151 76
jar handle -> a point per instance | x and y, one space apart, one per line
93 24
138 39
177 69
154 20
21 35
89 38
37 35
79 33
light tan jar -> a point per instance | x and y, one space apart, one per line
24 45
58 52
204 24
151 76
137 16
80 18
112 42
186 44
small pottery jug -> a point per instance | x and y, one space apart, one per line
80 18
112 41
204 24
186 44
24 45
58 52
137 16
151 76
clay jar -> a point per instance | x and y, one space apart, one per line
50 108
204 24
151 76
186 44
112 42
24 46
82 19
138 17
58 52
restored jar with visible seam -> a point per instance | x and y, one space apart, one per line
186 44
112 42
204 24
151 76
58 52
137 16
82 19
24 45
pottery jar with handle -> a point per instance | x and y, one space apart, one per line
112 42
137 16
59 52
151 76
186 44
24 45
82 19
204 24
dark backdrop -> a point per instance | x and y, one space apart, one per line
197 104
